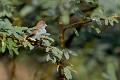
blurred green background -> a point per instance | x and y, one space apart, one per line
98 52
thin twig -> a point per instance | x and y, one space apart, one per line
78 23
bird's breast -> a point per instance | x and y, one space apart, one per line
43 31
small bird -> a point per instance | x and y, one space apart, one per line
40 29
36 34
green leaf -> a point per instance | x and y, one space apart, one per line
10 45
10 42
16 50
46 42
59 56
66 55
69 51
73 53
48 49
24 44
55 50
97 30
10 50
67 73
106 21
8 22
9 32
112 20
21 28
51 58
29 30
54 60
48 57
30 46
60 52
111 70
115 20
15 34
76 32
97 19
52 40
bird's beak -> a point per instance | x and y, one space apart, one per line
45 24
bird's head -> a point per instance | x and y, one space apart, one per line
41 25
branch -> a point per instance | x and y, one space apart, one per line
62 46
84 21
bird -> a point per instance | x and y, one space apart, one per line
40 29
36 34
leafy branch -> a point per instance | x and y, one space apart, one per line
85 21
13 37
